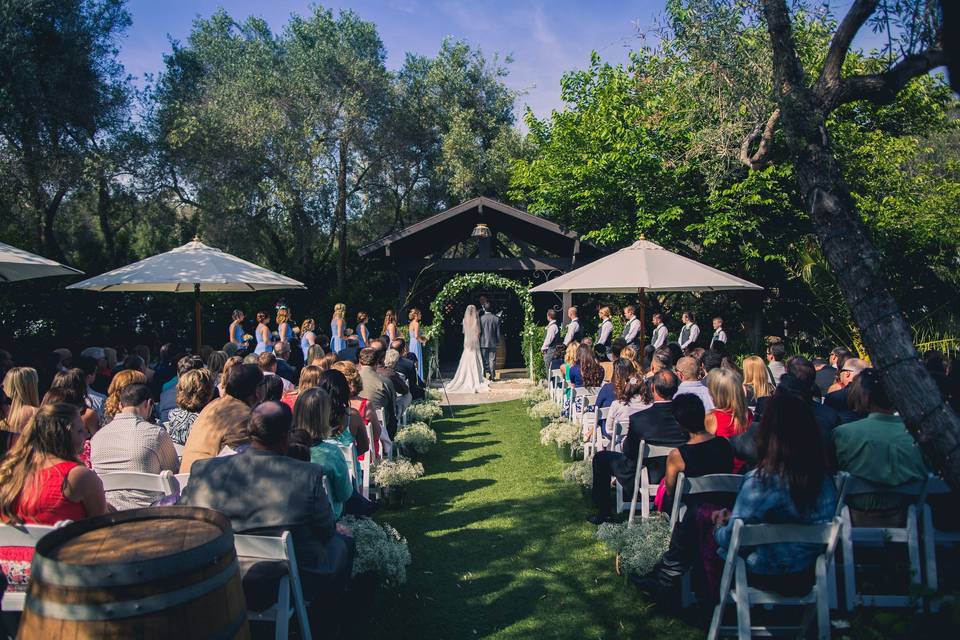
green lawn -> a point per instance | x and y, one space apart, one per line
501 547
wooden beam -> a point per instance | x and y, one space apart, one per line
466 265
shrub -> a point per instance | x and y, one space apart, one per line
417 436
640 546
580 472
380 549
424 411
544 410
396 473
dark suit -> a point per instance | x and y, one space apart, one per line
349 353
409 371
838 402
285 371
824 378
489 339
655 425
253 489
382 395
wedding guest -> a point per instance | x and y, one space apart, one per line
95 399
631 394
690 332
838 400
730 415
21 385
75 381
776 352
130 442
389 370
407 369
284 370
235 331
756 380
362 406
690 383
312 414
168 397
377 389
123 379
826 375
556 358
268 366
586 371
346 423
309 378
215 364
314 354
194 392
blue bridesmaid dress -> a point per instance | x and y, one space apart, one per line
417 348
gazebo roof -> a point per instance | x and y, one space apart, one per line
457 223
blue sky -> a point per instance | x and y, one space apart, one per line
546 38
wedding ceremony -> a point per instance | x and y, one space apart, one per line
387 319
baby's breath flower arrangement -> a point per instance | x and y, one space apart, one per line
534 395
424 411
544 410
580 472
417 437
396 473
380 549
641 546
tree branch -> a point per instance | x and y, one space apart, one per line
840 45
760 159
882 88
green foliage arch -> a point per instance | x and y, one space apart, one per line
467 282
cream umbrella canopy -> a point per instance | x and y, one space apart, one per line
17 264
194 267
645 267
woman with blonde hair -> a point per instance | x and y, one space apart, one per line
42 481
362 333
390 325
326 361
307 337
123 379
215 363
756 380
21 385
730 415
315 354
263 335
416 340
309 378
284 325
337 325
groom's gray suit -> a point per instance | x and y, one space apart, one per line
489 339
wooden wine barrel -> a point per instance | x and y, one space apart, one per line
165 572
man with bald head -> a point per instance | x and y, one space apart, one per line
253 489
687 370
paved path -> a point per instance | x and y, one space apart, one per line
500 391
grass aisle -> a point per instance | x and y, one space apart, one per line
501 548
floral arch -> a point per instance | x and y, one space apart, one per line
466 282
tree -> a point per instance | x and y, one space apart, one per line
61 92
805 101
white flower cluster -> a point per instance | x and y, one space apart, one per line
396 473
580 472
380 549
640 546
535 395
546 409
424 411
417 436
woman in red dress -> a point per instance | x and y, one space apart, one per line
730 416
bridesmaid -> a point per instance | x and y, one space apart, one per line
337 322
416 340
284 325
390 325
235 332
264 339
363 334
307 337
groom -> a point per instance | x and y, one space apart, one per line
489 339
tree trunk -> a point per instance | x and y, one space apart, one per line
340 214
855 263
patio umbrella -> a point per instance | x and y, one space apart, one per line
193 267
644 267
17 264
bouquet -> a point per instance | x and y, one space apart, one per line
417 437
380 549
544 410
641 546
396 473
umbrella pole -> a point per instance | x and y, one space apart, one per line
643 319
196 314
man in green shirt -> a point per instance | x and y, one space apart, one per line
877 448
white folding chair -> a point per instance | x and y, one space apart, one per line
385 436
280 550
641 481
735 590
21 535
932 538
908 534
715 483
556 386
163 482
182 480
621 426
368 459
595 443
349 453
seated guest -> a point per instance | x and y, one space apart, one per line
362 406
130 442
21 385
688 372
194 392
168 396
42 482
791 484
309 378
825 376
838 400
703 454
253 490
756 381
312 414
586 371
388 370
660 359
710 360
656 425
730 415
75 381
605 363
121 380
231 362
838 355
408 369
95 399
326 361
877 448
776 353
268 366
216 362
631 394
377 389
351 351
223 422
283 369
314 354
346 424
557 358
271 389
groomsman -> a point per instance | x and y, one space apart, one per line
631 331
606 328
719 335
550 340
659 336
573 329
689 333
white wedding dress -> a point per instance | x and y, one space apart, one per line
469 376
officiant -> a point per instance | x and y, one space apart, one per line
489 339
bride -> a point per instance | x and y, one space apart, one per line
469 376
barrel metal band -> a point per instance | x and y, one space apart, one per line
130 608
132 573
